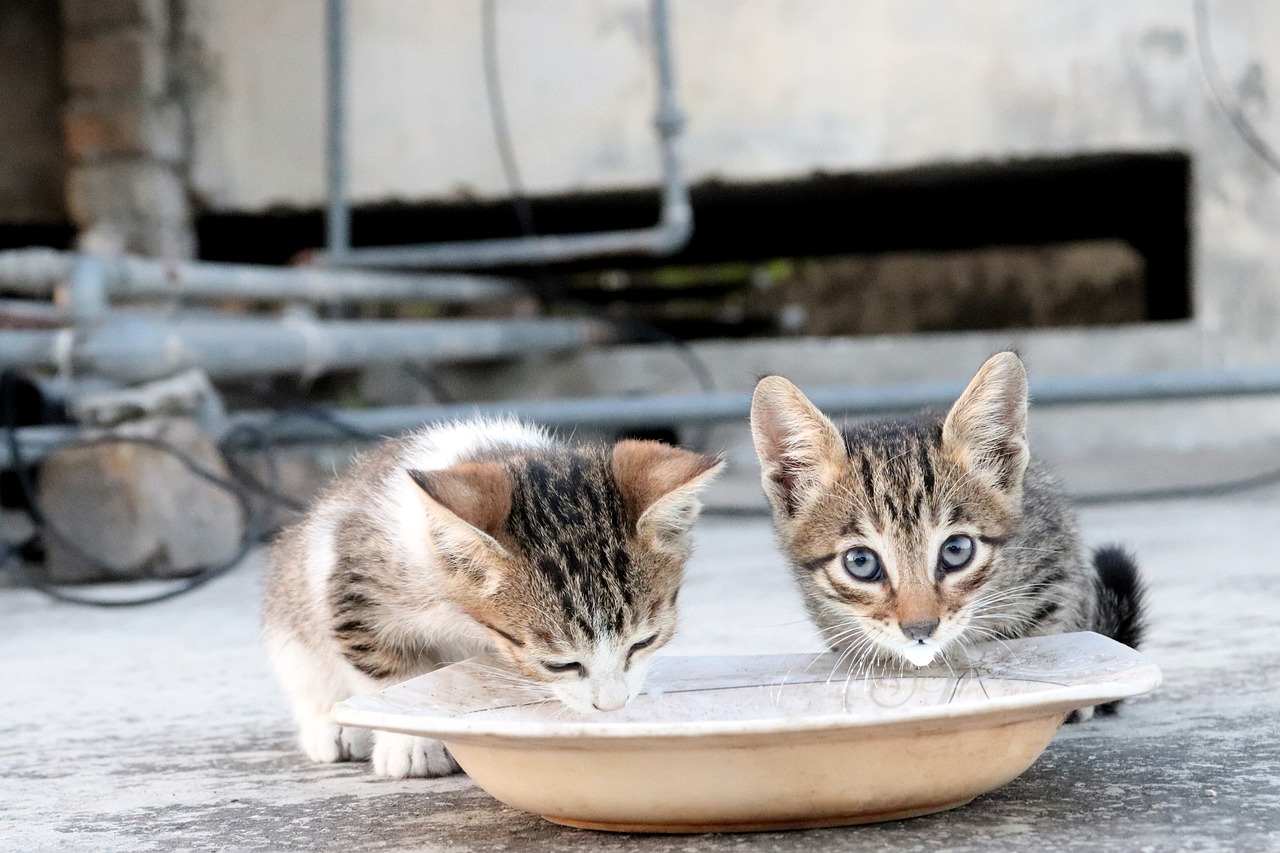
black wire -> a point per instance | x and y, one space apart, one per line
1222 488
1213 77
427 380
547 288
260 440
327 417
252 532
498 117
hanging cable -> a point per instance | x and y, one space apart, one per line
498 117
546 286
1213 78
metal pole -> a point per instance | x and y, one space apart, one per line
667 237
664 411
86 290
40 272
134 348
338 222
677 211
710 408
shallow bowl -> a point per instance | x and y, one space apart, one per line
763 742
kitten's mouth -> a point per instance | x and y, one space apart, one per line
920 652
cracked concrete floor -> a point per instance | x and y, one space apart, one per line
160 728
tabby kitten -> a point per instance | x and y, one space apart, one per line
910 538
465 537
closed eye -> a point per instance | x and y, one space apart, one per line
571 666
640 646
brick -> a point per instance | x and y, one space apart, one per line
94 130
90 16
140 206
141 189
137 507
161 238
127 62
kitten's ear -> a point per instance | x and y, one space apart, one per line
798 446
474 495
986 429
660 484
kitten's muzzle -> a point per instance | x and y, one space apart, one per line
919 630
610 694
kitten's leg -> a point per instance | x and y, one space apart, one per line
398 756
315 683
1080 715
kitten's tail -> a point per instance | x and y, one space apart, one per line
1121 596
1121 601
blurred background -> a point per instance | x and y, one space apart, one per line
242 239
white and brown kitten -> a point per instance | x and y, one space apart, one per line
464 537
910 538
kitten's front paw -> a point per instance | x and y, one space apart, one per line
399 756
326 743
1080 715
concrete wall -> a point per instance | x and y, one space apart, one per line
772 89
125 125
30 100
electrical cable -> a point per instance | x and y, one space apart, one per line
1158 494
1219 489
498 117
546 287
259 439
42 523
423 377
241 487
1213 78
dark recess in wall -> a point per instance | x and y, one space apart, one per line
22 236
1142 199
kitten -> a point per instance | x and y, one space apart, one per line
474 536
910 538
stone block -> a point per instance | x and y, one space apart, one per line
118 191
136 507
88 16
126 62
99 129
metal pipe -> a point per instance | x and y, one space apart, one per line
40 272
86 290
338 217
666 410
709 408
29 314
672 232
128 348
28 348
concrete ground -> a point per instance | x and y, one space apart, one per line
161 729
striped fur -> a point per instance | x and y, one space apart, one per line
902 488
566 559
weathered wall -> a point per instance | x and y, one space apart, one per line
125 125
30 100
772 89
219 102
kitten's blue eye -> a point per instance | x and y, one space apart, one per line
862 564
571 666
956 553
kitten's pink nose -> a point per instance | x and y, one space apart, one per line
611 697
919 630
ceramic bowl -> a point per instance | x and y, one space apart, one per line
763 742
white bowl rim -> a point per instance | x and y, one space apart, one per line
1127 673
